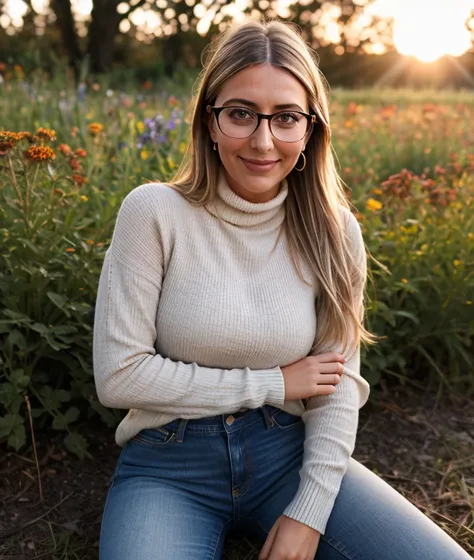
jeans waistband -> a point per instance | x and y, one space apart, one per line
217 423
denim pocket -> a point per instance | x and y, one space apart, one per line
157 436
285 420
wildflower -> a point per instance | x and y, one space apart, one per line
46 133
468 302
90 242
144 154
349 124
40 153
456 262
79 179
84 198
74 131
65 149
377 191
373 204
5 147
80 152
404 280
75 164
70 250
172 101
141 127
95 128
6 135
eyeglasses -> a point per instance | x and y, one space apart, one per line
240 122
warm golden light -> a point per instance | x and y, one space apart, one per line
428 29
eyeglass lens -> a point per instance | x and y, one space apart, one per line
238 122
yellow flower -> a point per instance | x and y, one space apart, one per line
468 302
141 127
456 262
84 198
70 250
40 153
90 241
95 128
144 154
171 163
424 247
404 280
377 191
373 204
470 235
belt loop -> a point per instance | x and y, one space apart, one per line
181 428
268 418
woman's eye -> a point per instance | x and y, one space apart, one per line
287 118
239 114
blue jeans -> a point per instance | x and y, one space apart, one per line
178 489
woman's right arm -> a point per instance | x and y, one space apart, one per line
128 371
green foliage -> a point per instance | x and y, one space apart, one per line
58 213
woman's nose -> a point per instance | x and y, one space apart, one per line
262 138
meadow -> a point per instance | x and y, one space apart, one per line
70 154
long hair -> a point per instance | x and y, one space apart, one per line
316 206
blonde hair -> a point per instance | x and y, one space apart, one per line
314 217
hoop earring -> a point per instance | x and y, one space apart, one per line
215 146
304 162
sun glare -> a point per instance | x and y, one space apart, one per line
428 29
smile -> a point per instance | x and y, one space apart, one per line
262 166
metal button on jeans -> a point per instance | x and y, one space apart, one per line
229 420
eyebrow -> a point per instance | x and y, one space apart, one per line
255 105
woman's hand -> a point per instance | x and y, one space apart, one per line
290 539
313 375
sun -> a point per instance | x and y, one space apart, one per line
428 29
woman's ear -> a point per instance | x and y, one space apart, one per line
211 124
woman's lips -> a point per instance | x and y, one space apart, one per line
261 167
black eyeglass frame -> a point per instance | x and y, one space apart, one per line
311 119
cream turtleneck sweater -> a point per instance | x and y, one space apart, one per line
195 316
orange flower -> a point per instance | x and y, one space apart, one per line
70 250
79 179
95 128
46 133
75 164
65 149
80 152
40 153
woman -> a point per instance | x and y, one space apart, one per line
229 322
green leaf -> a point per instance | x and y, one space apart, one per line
39 327
59 422
8 392
17 438
77 445
16 338
9 423
408 315
58 300
27 243
72 414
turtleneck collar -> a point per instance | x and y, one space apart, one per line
231 208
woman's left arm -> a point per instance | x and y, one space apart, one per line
331 423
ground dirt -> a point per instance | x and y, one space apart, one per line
422 448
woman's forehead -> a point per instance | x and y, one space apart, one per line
264 86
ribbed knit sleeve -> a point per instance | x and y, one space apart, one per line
128 371
331 423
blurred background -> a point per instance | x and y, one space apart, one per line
359 42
